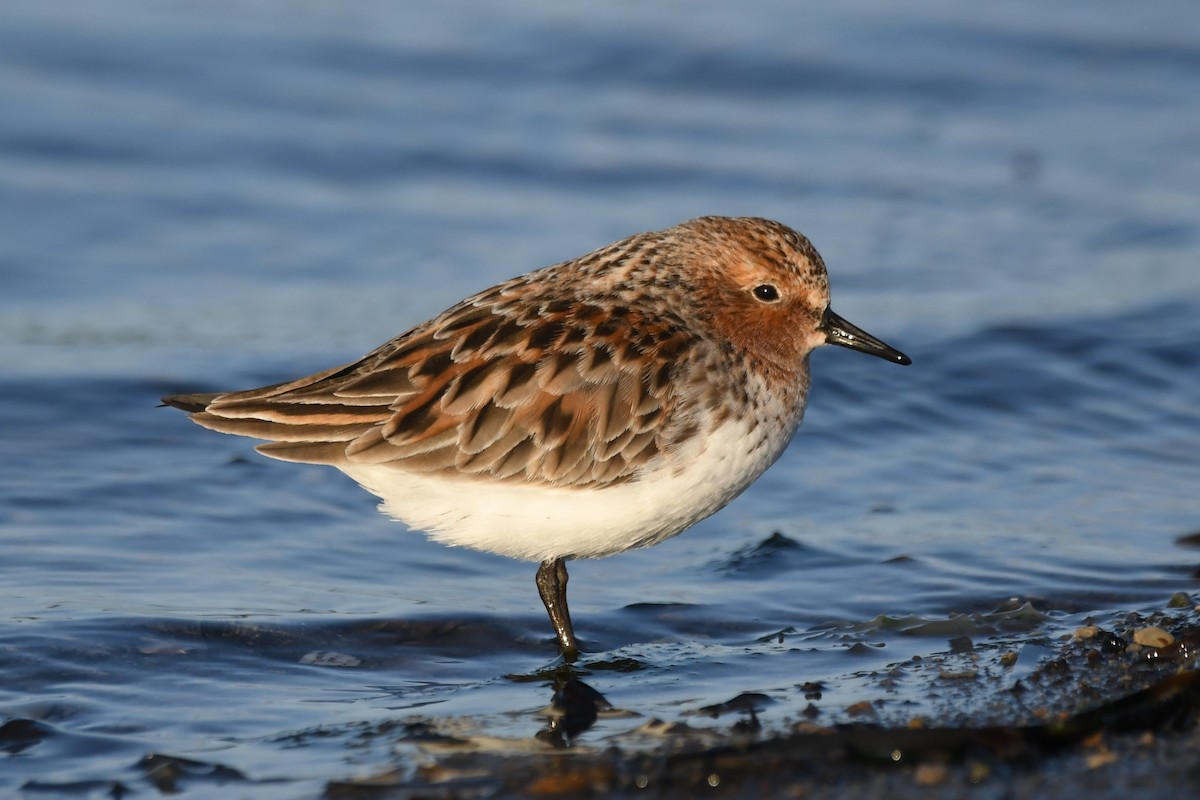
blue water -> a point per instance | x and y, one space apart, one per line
202 197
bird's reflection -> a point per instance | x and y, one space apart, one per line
573 709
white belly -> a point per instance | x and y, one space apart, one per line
540 522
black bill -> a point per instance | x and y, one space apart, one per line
843 334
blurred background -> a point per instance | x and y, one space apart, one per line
198 176
226 194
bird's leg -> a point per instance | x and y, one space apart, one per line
552 586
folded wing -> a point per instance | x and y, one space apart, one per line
561 394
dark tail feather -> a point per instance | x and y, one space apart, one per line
191 403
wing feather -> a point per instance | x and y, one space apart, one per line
562 394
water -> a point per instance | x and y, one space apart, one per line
217 197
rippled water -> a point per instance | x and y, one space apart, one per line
200 198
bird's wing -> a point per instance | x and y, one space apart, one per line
567 394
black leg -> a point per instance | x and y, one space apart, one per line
552 586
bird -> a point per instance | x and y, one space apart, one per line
591 407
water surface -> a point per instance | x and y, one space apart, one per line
197 199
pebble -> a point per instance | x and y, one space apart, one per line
930 774
1086 632
1152 637
861 708
1111 644
1179 600
979 772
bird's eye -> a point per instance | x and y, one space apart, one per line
766 293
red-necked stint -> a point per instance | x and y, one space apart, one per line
592 407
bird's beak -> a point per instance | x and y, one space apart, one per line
843 334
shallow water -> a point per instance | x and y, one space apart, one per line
198 200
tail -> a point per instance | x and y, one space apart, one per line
191 403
